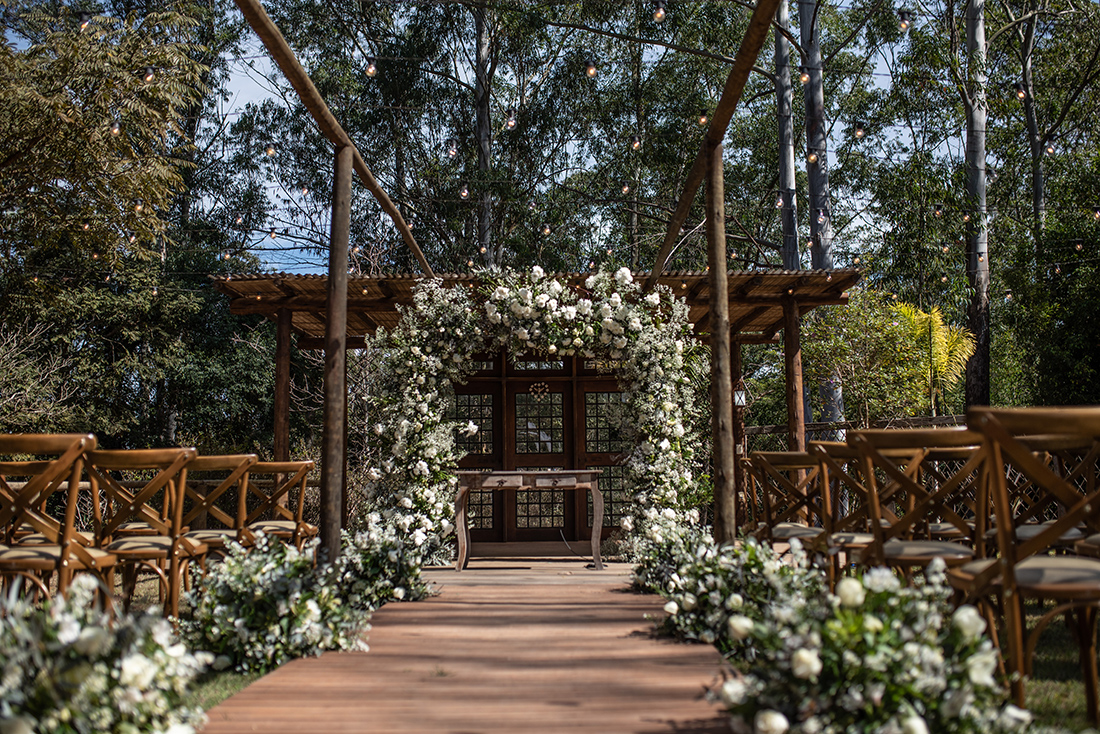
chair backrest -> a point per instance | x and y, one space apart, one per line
789 489
229 472
128 481
916 477
844 496
1055 454
32 468
270 484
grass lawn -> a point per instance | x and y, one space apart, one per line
1056 692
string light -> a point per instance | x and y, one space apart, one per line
625 187
510 123
590 68
1096 214
139 206
821 216
484 249
938 210
658 10
860 130
95 255
812 156
452 147
154 290
545 230
85 19
856 260
226 256
239 219
1008 295
966 217
116 127
85 225
304 188
981 258
150 72
1021 91
531 205
703 118
1079 246
372 68
946 249
943 278
1049 147
271 233
683 284
464 192
905 19
803 75
469 263
779 201
131 237
635 142
269 149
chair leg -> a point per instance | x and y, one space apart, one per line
1085 618
1014 635
129 584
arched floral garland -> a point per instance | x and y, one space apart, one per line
529 313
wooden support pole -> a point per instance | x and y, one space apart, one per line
282 385
287 62
792 359
721 385
336 335
740 489
755 35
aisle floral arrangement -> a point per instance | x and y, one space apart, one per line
377 565
531 314
67 666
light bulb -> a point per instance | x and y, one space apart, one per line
625 187
981 258
116 128
271 233
469 263
821 216
905 19
269 149
85 19
946 249
1057 269
511 122
856 261
452 147
803 75
635 142
703 118
464 192
860 130
938 210
95 255
943 278
658 10
531 205
1008 295
683 284
545 229
372 68
812 156
966 217
139 206
259 297
154 290
226 256
609 251
1079 246
239 219
484 249
1096 214
1049 148
85 225
590 68
305 189
1021 91
131 237
779 201
150 72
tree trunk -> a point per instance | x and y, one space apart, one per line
784 110
821 230
1035 141
484 133
977 256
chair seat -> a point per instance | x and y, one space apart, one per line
851 539
788 530
945 530
916 550
84 537
153 546
1030 530
281 527
45 557
1089 546
136 528
1051 576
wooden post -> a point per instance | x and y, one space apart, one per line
792 359
282 386
336 337
739 487
721 386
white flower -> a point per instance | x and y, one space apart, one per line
542 299
421 468
623 276
500 293
881 579
537 273
872 624
740 626
914 725
805 664
770 722
850 592
954 701
378 428
627 523
733 692
470 429
968 620
620 343
93 641
653 299
980 667
672 608
136 671
665 444
688 602
734 601
1014 717
522 335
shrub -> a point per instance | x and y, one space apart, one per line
378 564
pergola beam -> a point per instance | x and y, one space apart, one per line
755 35
284 57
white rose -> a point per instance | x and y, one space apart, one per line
851 592
555 287
980 667
733 692
623 276
805 664
968 620
672 609
1014 717
770 722
740 626
735 601
500 293
872 624
537 273
688 602
627 523
136 671
653 299
914 725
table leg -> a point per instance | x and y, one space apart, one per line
597 525
462 527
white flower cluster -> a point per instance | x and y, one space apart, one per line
534 313
874 657
69 667
268 604
379 564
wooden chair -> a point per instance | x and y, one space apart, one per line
230 472
33 544
846 505
161 474
270 484
1027 566
787 483
922 487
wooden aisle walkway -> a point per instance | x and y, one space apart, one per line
507 646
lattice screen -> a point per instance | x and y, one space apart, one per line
540 423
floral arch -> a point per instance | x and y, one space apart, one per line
531 313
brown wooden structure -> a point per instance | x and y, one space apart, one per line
539 412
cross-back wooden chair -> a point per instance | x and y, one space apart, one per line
1028 565
144 486
922 489
844 499
787 483
270 485
34 545
203 507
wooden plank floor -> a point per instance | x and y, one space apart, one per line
507 646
